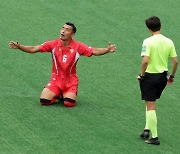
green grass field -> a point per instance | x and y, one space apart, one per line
109 115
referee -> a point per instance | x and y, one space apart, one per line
156 50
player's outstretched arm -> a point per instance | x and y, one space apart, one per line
101 51
29 49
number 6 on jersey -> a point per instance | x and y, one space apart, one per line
64 58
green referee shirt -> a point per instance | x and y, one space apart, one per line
158 48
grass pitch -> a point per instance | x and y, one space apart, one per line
109 115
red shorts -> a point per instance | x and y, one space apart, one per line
61 86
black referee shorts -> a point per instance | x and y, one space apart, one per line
152 85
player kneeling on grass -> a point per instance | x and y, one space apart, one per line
65 54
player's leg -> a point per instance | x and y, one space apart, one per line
50 92
144 86
69 99
161 80
47 97
150 95
70 93
146 126
152 122
148 92
151 118
146 132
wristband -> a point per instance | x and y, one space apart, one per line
171 76
142 76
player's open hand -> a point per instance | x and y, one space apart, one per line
111 47
13 44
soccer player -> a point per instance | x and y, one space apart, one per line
153 74
65 54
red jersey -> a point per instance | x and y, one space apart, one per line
64 59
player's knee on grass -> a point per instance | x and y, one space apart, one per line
44 101
68 102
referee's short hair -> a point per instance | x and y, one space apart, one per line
153 23
72 25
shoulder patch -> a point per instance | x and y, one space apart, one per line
144 49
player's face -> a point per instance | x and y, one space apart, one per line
66 33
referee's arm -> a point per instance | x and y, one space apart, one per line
145 60
174 65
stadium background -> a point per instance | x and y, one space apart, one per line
109 115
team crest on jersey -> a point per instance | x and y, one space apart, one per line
71 50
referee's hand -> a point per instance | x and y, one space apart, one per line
139 77
170 81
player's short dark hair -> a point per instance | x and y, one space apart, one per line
72 25
153 23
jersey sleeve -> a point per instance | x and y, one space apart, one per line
46 46
145 49
85 50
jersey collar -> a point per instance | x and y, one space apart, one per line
70 46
